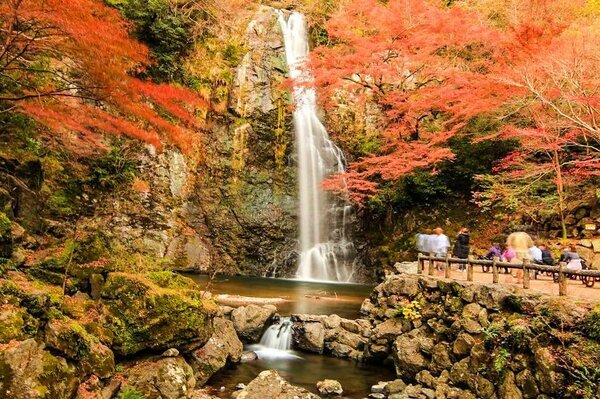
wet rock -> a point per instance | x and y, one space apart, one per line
249 356
269 384
224 346
28 371
329 388
165 378
144 315
250 322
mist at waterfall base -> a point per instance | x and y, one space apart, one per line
326 251
301 369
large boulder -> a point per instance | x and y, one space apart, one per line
27 371
329 387
166 378
269 384
408 354
308 335
250 322
142 314
224 346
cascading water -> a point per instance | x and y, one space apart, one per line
276 342
278 336
326 251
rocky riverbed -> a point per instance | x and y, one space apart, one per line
159 336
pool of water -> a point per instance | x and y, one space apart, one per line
310 297
304 370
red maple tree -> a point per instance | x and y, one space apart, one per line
70 65
431 68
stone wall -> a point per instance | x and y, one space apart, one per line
449 339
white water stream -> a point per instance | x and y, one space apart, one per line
326 252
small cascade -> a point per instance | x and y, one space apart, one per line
278 336
327 253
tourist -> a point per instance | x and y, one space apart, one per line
421 241
461 246
547 258
507 256
572 258
536 254
521 242
440 244
494 252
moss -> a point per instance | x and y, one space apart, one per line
167 279
131 393
144 315
591 324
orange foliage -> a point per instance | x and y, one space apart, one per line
72 63
431 68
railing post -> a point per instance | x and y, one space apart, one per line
495 270
430 264
562 280
420 263
470 268
447 271
526 275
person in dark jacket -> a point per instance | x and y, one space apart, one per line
547 258
461 246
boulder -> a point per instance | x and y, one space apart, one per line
269 384
508 388
329 388
249 356
463 344
165 378
142 314
309 336
27 371
224 346
250 322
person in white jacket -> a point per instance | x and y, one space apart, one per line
440 244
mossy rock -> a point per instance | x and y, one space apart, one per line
591 324
27 371
40 299
72 340
142 315
166 279
16 324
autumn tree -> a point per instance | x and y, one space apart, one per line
432 68
72 68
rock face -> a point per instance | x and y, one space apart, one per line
250 322
144 315
224 346
166 378
269 384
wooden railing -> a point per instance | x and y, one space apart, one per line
560 273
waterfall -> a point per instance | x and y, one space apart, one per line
326 251
278 336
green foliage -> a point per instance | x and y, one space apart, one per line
111 170
500 360
591 324
131 393
165 30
